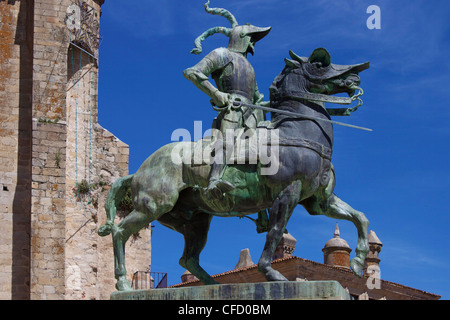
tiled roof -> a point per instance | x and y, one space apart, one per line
335 269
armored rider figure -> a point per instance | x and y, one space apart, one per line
235 80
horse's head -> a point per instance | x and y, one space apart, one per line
318 77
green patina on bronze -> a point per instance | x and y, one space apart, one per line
185 196
287 290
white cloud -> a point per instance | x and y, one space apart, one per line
409 255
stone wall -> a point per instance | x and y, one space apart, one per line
16 47
48 230
112 163
50 144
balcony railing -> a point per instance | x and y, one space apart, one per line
149 280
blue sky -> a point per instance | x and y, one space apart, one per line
398 175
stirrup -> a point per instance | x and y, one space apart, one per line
218 187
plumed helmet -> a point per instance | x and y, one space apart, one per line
242 37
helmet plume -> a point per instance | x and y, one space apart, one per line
222 12
226 31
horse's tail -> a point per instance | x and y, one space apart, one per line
115 195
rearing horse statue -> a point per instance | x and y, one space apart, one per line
174 193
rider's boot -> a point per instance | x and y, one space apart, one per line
218 187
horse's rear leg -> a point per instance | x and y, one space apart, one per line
334 207
282 209
195 231
131 224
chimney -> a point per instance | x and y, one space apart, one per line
187 276
372 263
337 251
286 247
245 259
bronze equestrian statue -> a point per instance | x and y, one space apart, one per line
176 194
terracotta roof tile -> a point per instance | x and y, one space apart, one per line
336 269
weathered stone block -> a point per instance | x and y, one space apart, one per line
281 290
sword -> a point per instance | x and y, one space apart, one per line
237 104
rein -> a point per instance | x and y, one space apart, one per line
318 97
238 104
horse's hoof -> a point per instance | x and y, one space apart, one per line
274 275
123 285
104 230
357 267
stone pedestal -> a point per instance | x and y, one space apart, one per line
289 290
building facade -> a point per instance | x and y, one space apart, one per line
56 161
336 266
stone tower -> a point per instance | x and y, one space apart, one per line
372 263
56 162
336 251
286 247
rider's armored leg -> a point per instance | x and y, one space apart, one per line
217 187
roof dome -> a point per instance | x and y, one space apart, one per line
373 239
337 241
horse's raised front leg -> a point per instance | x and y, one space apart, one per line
282 209
131 224
334 207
